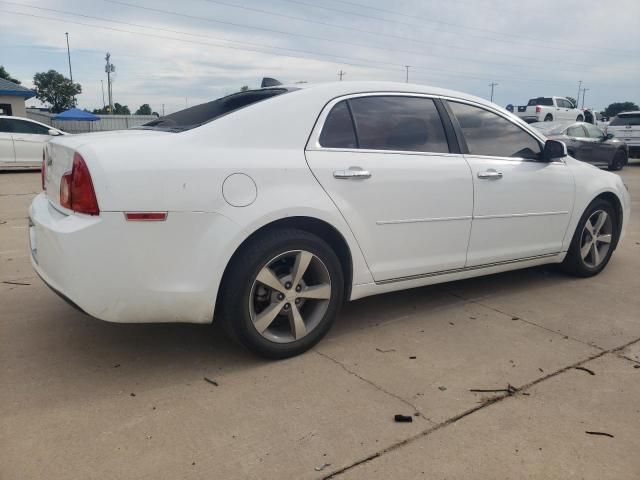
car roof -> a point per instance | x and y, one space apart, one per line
635 112
337 89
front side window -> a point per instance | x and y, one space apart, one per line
398 123
491 135
593 131
20 126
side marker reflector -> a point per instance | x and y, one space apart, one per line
145 216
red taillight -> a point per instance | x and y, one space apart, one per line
76 189
538 109
42 169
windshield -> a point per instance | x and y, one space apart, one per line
632 119
206 112
547 102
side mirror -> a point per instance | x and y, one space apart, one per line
553 149
609 136
53 133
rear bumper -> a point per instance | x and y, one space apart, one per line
530 118
131 272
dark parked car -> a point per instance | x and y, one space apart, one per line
588 143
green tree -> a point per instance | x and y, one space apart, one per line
572 100
144 109
4 74
121 109
244 88
53 88
615 108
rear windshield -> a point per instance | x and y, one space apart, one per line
632 119
546 101
193 117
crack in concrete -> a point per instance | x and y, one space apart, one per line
495 309
494 400
373 384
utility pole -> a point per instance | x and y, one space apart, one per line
579 88
407 75
69 57
341 74
492 85
104 107
584 91
163 109
109 68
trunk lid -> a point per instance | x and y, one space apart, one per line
59 153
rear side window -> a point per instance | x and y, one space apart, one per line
544 101
338 131
489 134
576 131
398 123
5 126
623 120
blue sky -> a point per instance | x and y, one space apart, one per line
187 52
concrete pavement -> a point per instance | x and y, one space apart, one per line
82 398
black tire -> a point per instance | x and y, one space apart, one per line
580 118
574 263
548 118
618 161
239 291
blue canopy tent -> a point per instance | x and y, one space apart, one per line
76 114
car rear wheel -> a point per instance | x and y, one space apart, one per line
618 161
593 241
580 118
282 293
548 118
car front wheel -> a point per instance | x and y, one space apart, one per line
593 241
282 293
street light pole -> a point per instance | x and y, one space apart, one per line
407 75
579 88
492 85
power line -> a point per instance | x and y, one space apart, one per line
389 66
429 43
243 26
457 25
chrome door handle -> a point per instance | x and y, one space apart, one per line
352 172
490 175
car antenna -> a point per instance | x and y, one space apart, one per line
269 82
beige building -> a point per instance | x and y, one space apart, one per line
12 98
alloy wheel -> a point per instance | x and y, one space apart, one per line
290 296
595 240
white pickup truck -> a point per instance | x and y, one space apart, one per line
549 109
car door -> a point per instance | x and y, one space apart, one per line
521 205
602 151
28 140
579 145
391 165
7 154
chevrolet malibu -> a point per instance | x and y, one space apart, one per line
266 209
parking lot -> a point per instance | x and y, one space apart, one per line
557 358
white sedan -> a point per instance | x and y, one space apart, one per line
22 140
268 208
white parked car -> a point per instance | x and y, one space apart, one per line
626 127
268 208
549 109
22 141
